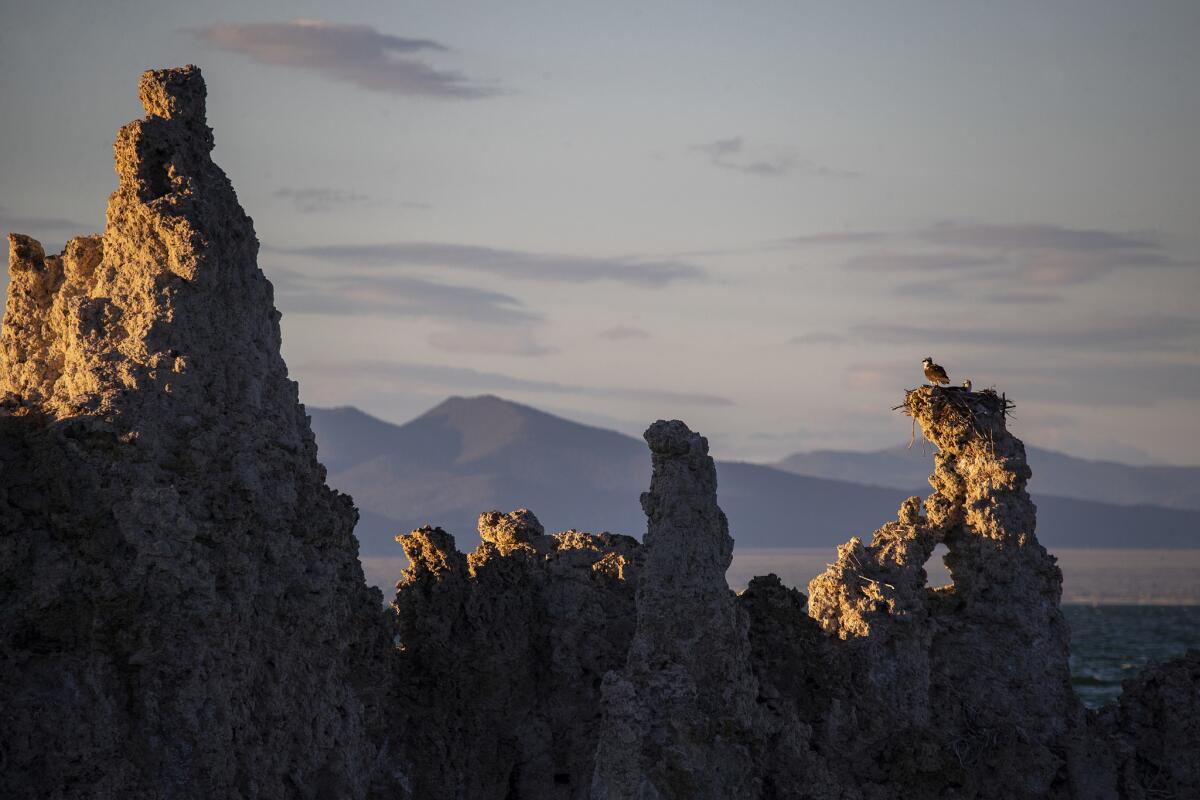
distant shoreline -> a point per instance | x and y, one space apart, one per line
1091 576
1101 576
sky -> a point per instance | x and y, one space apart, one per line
755 217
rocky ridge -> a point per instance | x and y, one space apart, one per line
184 614
503 654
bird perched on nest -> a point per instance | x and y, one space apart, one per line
967 384
934 373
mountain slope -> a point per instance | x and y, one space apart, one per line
1054 473
469 455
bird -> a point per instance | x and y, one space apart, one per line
967 384
934 373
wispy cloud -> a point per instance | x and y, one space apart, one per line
38 226
320 200
395 295
1041 255
624 332
887 261
1099 332
1035 237
357 54
1052 255
1024 298
508 263
1085 379
489 340
833 238
817 338
734 154
941 289
1111 382
443 377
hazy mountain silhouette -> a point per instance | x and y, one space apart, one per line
1054 473
469 455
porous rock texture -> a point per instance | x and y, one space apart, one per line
963 690
502 656
183 613
1153 731
679 714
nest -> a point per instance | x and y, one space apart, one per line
957 406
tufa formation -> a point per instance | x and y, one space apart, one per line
183 613
503 653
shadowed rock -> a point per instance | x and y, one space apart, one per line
1154 731
502 655
183 610
678 715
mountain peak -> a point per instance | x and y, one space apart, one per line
479 404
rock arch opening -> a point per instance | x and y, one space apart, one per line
937 575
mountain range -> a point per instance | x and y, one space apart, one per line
469 455
1054 473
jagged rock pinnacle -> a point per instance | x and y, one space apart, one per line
678 717
509 531
181 590
987 653
524 628
177 93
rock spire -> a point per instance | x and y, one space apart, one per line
184 614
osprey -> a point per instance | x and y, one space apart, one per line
934 373
967 384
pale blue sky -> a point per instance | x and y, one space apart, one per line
756 217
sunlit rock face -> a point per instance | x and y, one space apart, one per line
502 656
183 610
965 688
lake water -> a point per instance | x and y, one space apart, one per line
1110 644
1126 608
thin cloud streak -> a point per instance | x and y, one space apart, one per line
1032 254
320 200
1024 298
1124 334
1034 237
395 296
508 263
488 341
10 223
1098 381
619 333
817 338
834 238
918 262
356 54
465 379
1131 383
732 154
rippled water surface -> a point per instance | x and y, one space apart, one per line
1112 643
